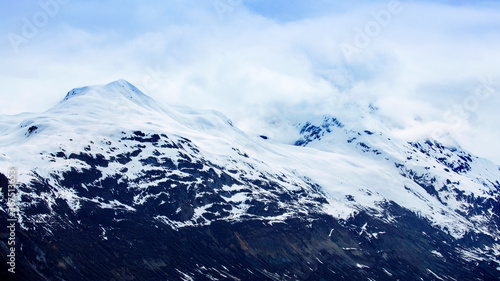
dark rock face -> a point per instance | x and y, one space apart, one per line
461 165
152 225
138 247
312 132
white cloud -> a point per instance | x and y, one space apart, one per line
257 63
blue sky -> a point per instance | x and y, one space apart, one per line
258 60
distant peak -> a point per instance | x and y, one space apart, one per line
124 84
115 90
113 86
121 82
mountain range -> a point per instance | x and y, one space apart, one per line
112 185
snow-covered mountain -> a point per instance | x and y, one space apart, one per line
114 186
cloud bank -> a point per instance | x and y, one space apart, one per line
427 66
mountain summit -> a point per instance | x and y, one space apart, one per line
114 186
117 91
111 90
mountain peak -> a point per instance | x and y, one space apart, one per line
119 86
116 91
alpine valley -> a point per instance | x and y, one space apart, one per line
112 185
